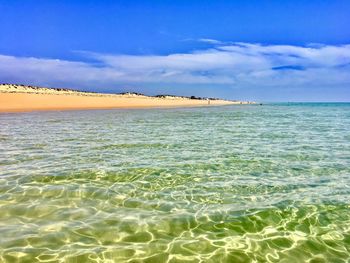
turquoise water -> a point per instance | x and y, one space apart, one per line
219 184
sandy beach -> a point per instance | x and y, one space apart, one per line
19 98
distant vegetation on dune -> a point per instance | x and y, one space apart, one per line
6 87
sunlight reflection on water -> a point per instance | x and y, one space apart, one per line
222 184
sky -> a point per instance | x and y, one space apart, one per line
248 50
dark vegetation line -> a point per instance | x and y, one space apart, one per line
122 93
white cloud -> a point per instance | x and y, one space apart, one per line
210 41
235 65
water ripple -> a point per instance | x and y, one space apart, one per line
223 184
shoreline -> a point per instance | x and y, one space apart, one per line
19 98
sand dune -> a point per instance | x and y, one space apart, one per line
15 98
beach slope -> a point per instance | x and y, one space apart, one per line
17 98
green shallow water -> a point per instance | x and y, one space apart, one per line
222 184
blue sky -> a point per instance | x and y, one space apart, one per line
253 50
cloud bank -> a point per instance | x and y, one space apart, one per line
234 65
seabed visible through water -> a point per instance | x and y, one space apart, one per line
219 184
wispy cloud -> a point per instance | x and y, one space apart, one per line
211 41
235 65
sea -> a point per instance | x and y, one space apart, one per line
241 183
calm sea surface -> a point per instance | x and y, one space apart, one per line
220 184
